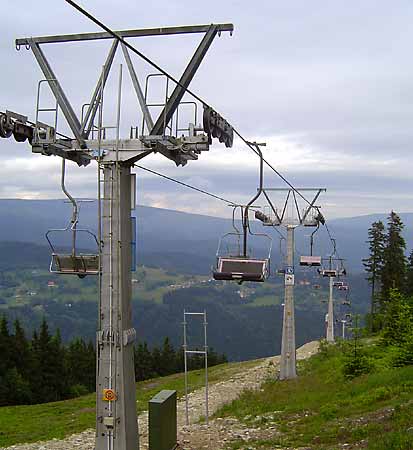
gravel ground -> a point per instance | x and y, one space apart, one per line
196 436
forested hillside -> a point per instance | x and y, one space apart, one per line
243 322
176 240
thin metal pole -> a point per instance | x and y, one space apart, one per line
330 317
118 113
205 353
99 195
186 373
75 213
110 375
343 323
206 369
288 351
246 218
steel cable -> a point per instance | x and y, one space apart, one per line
190 92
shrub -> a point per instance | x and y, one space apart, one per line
328 412
356 365
78 390
398 321
403 355
377 395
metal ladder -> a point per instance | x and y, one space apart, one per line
49 132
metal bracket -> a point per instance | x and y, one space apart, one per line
129 336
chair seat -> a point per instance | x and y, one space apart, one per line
329 273
234 276
75 264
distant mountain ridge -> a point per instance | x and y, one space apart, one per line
167 237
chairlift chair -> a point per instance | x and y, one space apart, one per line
240 265
237 265
334 272
80 264
328 272
313 218
73 262
338 284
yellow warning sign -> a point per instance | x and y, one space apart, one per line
109 395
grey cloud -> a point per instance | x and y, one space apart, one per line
333 78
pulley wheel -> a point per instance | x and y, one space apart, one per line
5 132
230 138
19 137
207 120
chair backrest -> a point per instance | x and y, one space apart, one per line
310 261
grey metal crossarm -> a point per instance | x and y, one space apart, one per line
162 31
80 148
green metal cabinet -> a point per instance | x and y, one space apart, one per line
162 421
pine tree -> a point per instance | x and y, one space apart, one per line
156 361
80 363
21 355
91 375
5 346
374 264
409 276
57 367
168 359
398 320
143 362
49 381
17 388
394 267
4 361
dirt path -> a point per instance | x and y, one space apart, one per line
221 431
195 436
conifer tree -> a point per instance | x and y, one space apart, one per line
21 355
57 368
409 276
168 358
156 361
374 263
80 362
5 346
394 267
49 380
398 321
143 362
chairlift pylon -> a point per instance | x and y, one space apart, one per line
73 262
240 265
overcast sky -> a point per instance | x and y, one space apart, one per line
327 84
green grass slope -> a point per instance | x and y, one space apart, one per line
322 409
32 423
